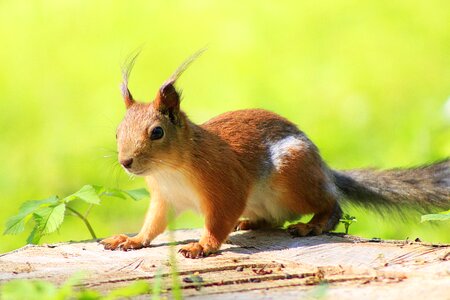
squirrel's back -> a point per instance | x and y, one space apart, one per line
268 142
260 138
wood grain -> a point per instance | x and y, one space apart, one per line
252 264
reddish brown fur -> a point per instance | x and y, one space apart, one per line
228 167
222 159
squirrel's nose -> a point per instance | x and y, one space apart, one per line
126 163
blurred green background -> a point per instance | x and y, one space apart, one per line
367 81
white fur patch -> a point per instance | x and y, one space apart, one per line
280 149
264 203
177 189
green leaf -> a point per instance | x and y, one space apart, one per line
99 189
32 205
442 216
135 289
138 194
48 219
87 193
87 294
116 193
66 290
16 224
28 289
35 236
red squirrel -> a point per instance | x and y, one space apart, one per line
248 169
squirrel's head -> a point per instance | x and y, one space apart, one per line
152 134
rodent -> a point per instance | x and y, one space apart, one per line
248 169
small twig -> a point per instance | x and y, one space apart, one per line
86 222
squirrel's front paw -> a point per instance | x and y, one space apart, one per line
122 242
195 250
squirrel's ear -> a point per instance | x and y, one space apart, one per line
167 100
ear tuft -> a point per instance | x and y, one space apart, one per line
167 100
183 67
126 71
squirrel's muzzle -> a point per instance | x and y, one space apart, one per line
126 163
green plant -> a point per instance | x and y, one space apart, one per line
442 216
135 289
347 220
39 289
48 214
176 282
157 289
44 290
320 291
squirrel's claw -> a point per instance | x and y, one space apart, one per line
193 250
122 242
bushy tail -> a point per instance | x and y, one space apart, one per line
422 188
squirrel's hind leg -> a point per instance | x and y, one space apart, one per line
252 225
320 223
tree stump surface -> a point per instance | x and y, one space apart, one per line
267 264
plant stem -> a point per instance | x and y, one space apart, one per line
88 210
176 285
86 222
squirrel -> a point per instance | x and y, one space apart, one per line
248 169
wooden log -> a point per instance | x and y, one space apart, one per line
252 264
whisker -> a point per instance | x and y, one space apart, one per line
113 150
161 162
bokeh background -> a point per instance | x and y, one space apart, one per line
367 80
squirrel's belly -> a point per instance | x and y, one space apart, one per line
264 203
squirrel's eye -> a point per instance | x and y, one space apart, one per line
157 133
